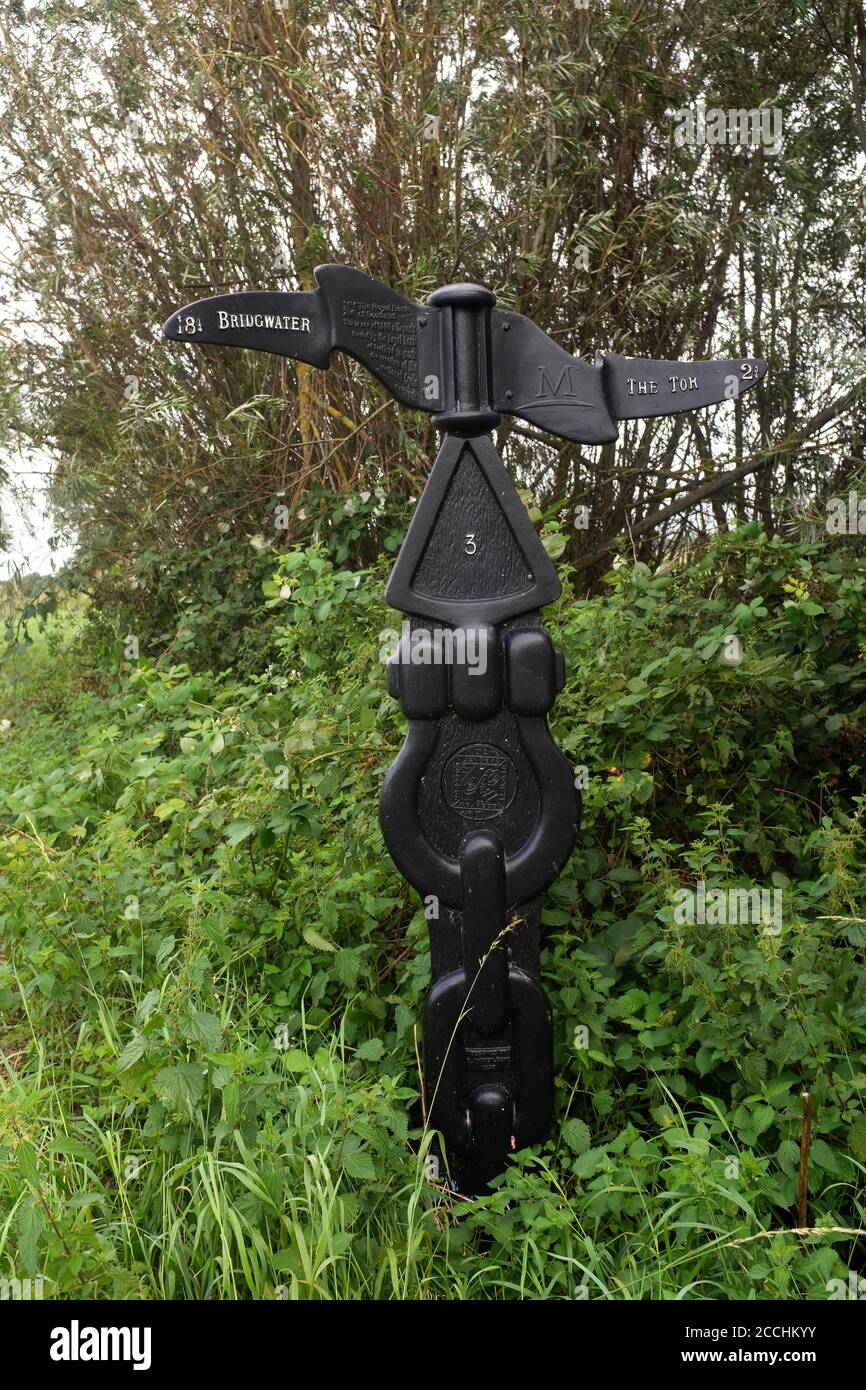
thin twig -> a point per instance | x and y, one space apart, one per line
805 1145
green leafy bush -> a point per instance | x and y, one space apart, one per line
210 972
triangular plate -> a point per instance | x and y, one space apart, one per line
471 554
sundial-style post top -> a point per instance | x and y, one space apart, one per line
480 809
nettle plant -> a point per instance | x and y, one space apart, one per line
727 776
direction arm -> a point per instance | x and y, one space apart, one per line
393 338
538 381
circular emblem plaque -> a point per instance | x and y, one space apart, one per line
479 781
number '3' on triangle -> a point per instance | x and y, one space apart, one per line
471 554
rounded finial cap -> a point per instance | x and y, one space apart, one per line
468 294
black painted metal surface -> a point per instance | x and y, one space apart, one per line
459 357
479 811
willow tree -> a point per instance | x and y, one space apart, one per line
153 151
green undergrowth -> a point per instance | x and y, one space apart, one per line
211 973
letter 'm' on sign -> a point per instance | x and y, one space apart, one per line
546 386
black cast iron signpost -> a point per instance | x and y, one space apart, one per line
480 809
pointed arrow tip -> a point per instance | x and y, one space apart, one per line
178 331
757 368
